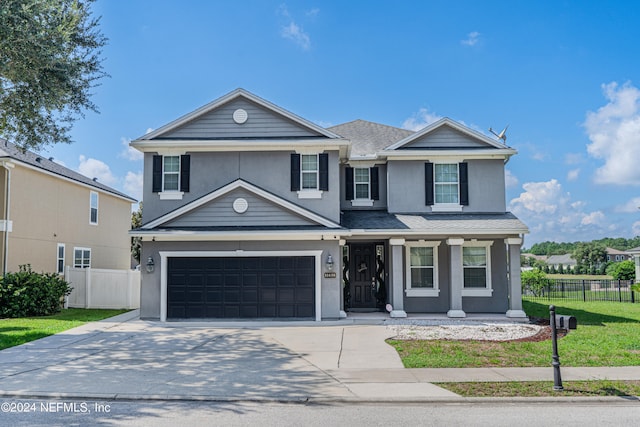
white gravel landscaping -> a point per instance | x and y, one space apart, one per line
479 331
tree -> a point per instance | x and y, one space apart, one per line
49 61
624 270
590 256
136 242
534 281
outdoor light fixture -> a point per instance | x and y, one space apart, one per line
150 265
329 263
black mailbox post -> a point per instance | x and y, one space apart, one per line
558 322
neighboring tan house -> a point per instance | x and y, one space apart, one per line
253 212
566 261
52 217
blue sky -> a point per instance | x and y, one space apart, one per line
564 75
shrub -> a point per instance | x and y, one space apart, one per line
26 293
624 270
535 281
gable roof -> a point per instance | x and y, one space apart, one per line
565 259
239 183
367 138
238 93
47 165
490 142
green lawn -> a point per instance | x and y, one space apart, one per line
607 335
19 331
545 388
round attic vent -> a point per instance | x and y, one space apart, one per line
240 205
240 116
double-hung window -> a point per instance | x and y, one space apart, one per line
476 266
422 269
170 173
81 257
60 258
171 176
447 186
93 208
361 184
309 171
446 183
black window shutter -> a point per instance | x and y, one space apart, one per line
464 184
428 183
375 186
185 171
157 174
348 183
295 172
323 166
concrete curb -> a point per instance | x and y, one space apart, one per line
560 400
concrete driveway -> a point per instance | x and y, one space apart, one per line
126 357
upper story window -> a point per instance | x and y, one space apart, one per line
361 183
171 176
447 186
361 186
81 257
476 266
446 183
309 171
93 207
422 269
170 173
309 175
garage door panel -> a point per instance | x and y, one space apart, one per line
241 287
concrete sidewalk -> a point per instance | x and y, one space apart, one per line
126 358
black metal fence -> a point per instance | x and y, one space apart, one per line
584 290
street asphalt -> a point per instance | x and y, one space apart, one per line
128 358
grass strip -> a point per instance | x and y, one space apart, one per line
600 388
25 329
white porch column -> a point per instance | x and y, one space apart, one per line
456 278
397 282
515 285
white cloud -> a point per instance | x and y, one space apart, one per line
573 174
93 168
471 40
510 179
573 158
297 35
636 228
133 185
551 214
294 32
614 131
149 130
313 12
632 206
420 120
129 152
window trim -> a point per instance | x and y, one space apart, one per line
310 193
91 208
421 292
171 194
58 258
487 291
78 248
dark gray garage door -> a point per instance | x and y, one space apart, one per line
242 287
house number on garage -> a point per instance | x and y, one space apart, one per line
330 275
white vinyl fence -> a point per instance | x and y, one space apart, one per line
99 288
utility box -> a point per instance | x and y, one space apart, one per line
566 322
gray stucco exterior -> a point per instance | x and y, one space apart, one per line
243 148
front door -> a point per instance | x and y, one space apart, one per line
362 275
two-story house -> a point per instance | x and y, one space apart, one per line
253 212
52 217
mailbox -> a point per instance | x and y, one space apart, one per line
566 322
